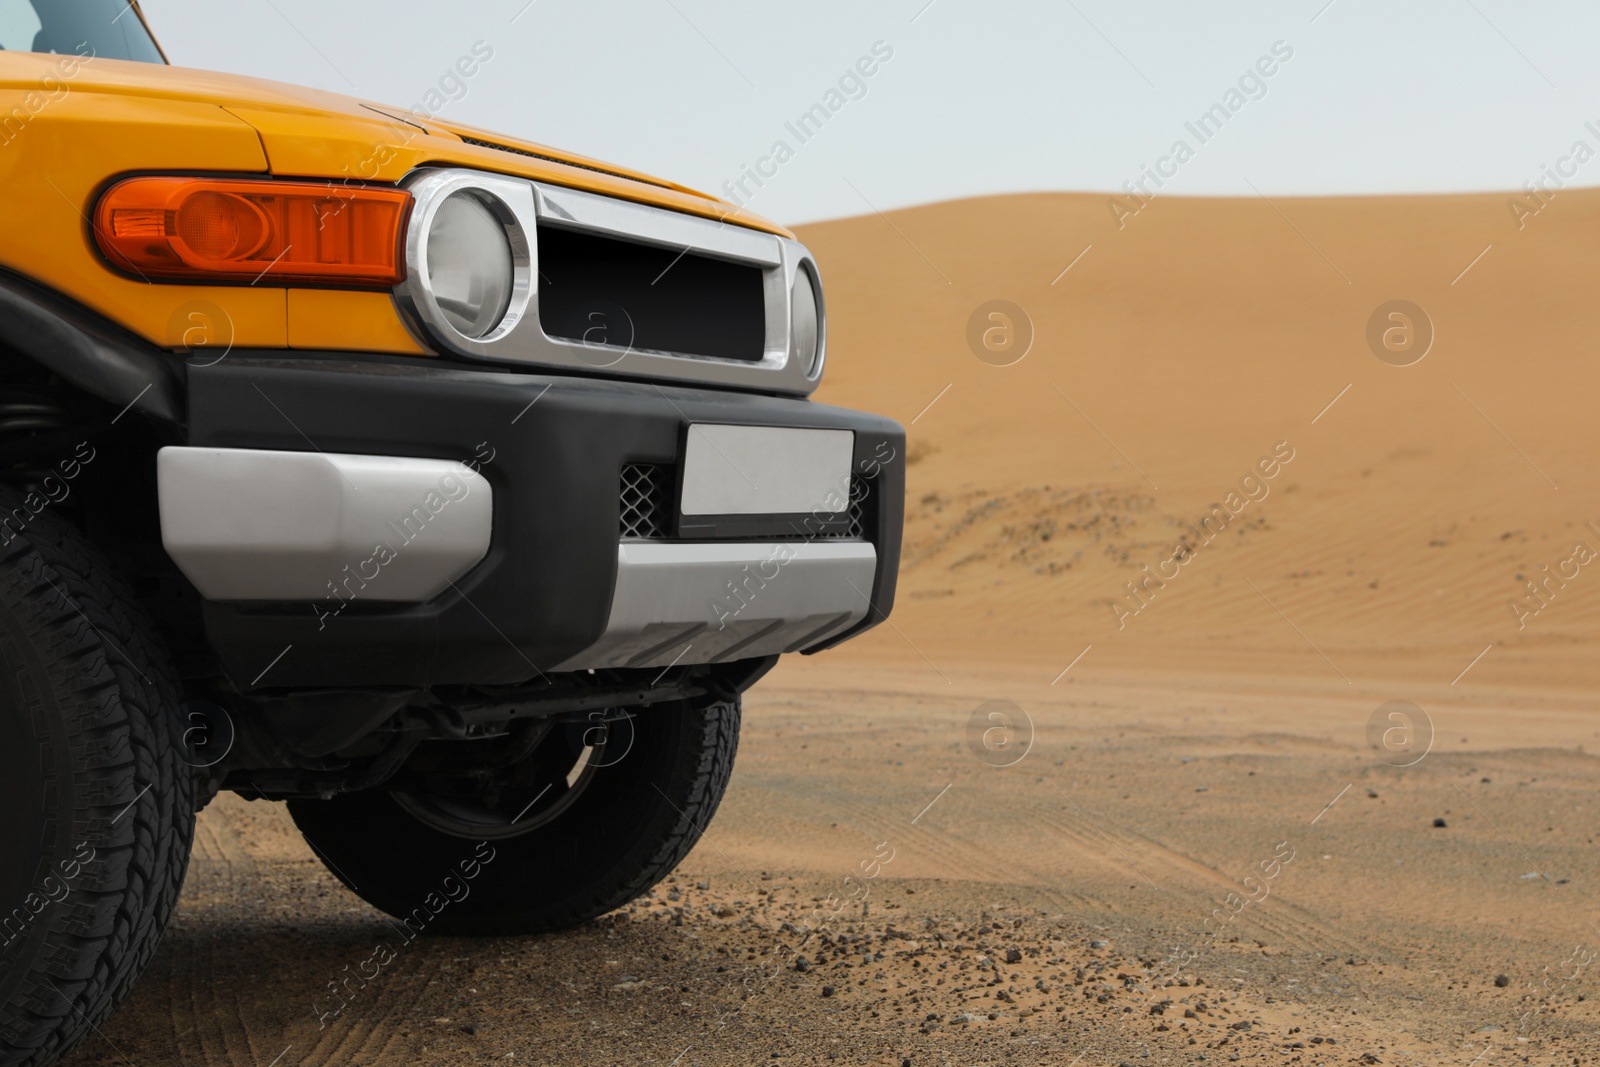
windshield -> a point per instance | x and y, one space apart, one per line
108 29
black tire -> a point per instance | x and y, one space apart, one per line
630 825
98 808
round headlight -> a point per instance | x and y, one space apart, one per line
805 322
470 264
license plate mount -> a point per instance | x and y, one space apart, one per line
749 480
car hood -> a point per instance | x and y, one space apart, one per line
311 133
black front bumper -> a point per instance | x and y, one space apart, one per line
552 448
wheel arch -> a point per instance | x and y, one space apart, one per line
84 407
89 351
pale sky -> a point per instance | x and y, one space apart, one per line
976 98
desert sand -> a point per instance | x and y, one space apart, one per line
1175 354
1195 852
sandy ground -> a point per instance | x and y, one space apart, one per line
1038 913
1201 850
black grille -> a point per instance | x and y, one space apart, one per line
646 499
623 295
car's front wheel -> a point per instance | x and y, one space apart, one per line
96 799
590 816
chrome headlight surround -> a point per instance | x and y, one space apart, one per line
511 204
519 338
811 362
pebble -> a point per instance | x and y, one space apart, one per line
1439 823
1501 981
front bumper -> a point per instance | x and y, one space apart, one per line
552 586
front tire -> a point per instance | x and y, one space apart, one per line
98 807
623 828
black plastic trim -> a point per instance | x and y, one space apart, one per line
89 350
549 445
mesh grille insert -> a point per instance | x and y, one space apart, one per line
645 505
646 500
857 531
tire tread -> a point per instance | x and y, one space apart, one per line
132 798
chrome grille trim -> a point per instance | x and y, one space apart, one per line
529 204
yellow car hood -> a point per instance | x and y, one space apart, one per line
310 133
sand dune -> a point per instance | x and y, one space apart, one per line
1172 356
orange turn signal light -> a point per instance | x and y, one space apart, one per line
279 232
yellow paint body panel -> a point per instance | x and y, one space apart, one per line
54 162
348 321
68 126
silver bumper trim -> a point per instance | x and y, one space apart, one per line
694 602
257 524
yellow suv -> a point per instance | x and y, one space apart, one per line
447 486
